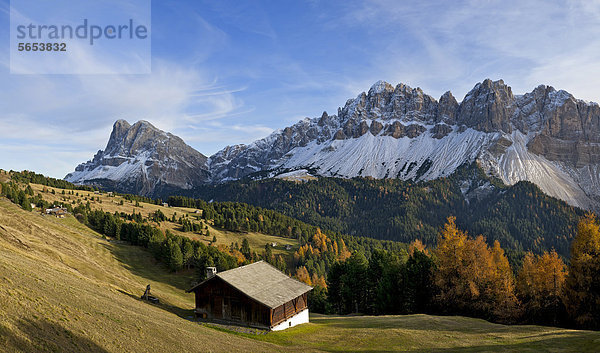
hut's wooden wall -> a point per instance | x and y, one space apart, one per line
289 309
219 301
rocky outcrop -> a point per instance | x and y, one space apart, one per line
142 159
447 109
544 136
376 128
440 131
488 107
566 128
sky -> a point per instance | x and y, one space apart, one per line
229 72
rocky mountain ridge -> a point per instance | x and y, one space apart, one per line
142 159
546 136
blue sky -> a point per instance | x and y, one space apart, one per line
229 72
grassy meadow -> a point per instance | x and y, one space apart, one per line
426 333
110 203
63 288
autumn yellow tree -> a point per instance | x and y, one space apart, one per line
318 281
540 284
471 277
417 245
455 288
502 286
582 286
303 276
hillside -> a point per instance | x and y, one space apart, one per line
115 203
65 288
520 216
427 333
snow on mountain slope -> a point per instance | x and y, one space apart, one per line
519 164
130 168
382 156
142 159
545 136
400 132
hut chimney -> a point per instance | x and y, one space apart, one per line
211 272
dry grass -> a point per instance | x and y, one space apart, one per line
112 204
3 176
64 288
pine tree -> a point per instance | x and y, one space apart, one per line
175 257
245 249
25 204
418 282
188 253
268 253
357 265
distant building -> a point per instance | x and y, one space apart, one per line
273 244
256 295
165 204
59 212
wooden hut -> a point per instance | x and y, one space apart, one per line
59 212
256 295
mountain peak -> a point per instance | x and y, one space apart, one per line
143 157
121 123
488 86
120 128
545 136
145 123
488 107
380 87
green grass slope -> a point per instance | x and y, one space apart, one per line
425 333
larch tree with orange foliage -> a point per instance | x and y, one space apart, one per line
471 277
303 276
449 255
417 244
582 286
503 285
540 284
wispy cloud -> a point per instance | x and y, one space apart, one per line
225 73
452 45
79 110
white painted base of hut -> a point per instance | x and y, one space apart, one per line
300 318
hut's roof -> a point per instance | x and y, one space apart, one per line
263 283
